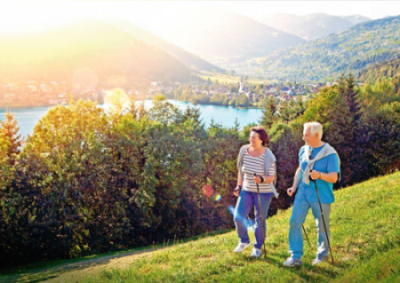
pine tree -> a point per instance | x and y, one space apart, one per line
351 95
10 130
269 112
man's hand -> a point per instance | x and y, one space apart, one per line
314 174
291 191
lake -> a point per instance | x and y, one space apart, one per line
224 115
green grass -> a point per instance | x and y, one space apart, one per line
365 221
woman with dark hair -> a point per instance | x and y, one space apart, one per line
256 165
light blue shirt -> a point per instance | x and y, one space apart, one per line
326 165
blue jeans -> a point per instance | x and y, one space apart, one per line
301 207
244 204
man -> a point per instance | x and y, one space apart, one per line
320 162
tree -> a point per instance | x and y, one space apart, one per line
330 108
10 129
269 112
242 101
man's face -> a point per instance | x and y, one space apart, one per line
310 139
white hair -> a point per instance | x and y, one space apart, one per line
315 128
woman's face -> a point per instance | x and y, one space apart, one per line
255 139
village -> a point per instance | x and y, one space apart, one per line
34 93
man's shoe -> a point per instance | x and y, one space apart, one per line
256 253
292 262
240 248
319 260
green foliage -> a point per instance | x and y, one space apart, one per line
380 136
87 182
377 71
10 130
269 112
347 52
242 101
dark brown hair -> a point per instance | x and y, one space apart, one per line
262 134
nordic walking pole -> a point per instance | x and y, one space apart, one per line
305 233
323 219
261 218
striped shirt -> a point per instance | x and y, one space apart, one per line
256 165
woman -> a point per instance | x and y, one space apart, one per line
254 158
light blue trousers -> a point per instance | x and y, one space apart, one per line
301 207
244 204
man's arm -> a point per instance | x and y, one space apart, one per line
296 182
331 177
332 167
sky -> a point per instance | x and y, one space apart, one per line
17 16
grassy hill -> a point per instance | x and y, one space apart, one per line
365 223
323 59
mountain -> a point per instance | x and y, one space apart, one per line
323 59
107 51
356 19
149 38
224 38
309 27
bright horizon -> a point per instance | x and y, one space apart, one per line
20 16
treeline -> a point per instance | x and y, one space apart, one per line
88 182
257 94
388 70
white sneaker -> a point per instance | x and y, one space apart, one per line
240 248
256 252
292 262
319 260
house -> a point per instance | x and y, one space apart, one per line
156 84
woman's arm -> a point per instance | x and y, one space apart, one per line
267 179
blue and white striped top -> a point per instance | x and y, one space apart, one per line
256 165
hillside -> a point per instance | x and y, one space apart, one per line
308 27
365 238
187 58
225 38
109 52
326 58
356 19
376 71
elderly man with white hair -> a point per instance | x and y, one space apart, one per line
319 162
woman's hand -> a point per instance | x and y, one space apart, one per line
291 191
257 179
236 191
